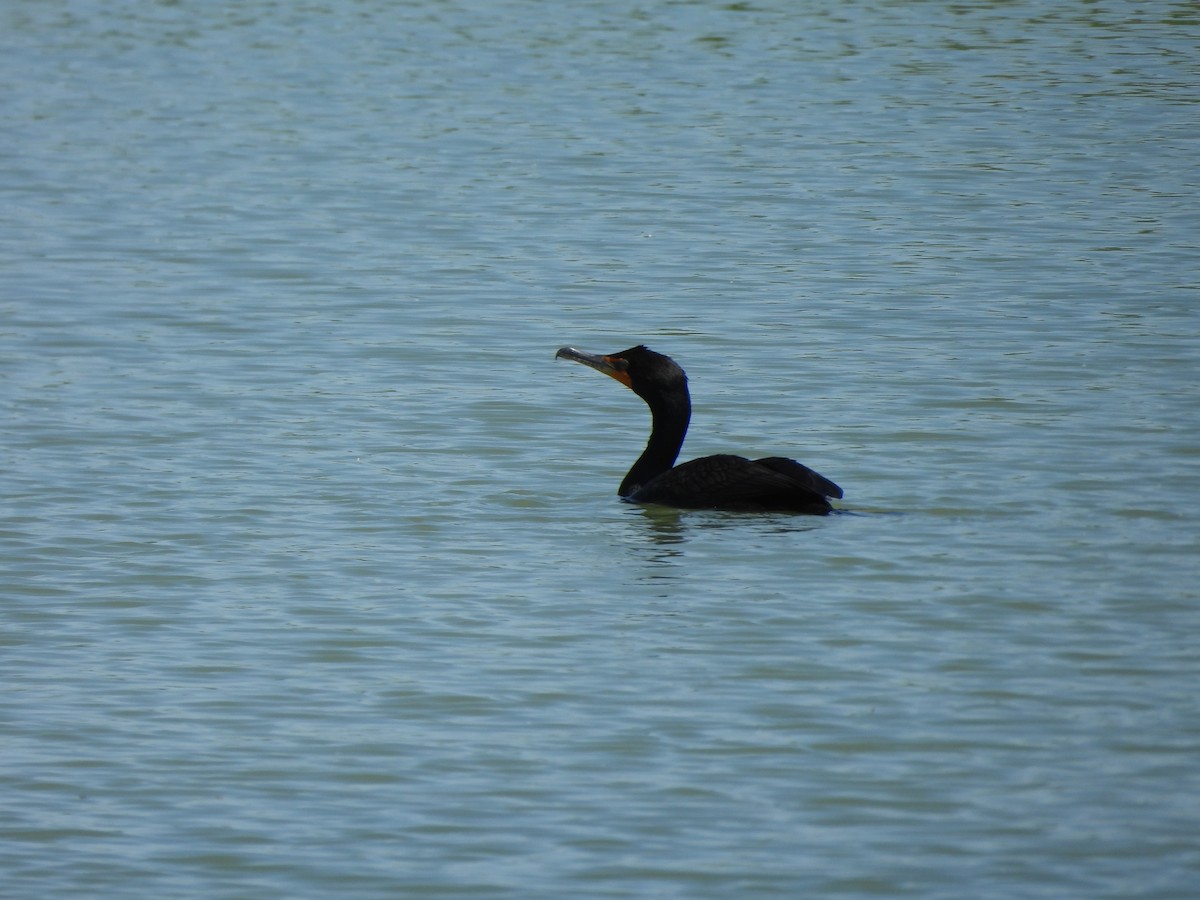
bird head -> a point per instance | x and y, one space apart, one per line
652 376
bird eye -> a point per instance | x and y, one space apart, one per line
618 363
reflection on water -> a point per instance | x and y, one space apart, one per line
668 530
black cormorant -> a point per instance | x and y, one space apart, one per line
711 482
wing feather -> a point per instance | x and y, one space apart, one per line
734 482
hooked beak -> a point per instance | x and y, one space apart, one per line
612 366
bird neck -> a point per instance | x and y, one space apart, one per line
669 425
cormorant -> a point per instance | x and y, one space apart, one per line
711 482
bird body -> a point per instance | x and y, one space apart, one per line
723 481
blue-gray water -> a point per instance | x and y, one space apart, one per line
314 581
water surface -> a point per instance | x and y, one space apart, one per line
315 582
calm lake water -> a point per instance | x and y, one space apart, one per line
315 582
